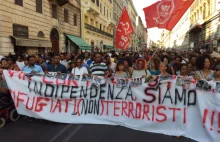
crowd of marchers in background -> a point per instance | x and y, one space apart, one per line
125 64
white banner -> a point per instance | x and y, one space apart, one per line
168 105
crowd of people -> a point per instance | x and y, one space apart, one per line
121 65
125 64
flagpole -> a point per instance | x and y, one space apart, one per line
152 56
155 52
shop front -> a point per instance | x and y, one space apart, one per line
195 35
23 44
107 47
76 44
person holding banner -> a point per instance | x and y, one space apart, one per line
20 62
57 66
154 66
203 66
163 69
166 61
128 66
141 69
120 73
32 67
98 68
79 69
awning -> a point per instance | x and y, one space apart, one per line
79 41
107 46
31 42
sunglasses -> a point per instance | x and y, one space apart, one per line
78 62
217 69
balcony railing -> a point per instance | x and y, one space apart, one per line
111 22
91 7
94 29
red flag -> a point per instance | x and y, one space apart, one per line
166 13
123 31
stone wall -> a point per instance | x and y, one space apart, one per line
26 15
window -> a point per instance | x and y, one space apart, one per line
66 15
54 11
209 9
19 2
97 3
204 11
39 6
200 12
75 19
107 12
101 7
104 10
93 1
100 27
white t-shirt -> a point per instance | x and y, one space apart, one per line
81 71
65 63
113 66
140 73
20 65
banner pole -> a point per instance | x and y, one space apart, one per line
152 57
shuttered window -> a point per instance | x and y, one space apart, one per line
19 2
54 11
66 15
75 19
39 6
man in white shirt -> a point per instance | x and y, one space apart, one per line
20 62
79 69
66 61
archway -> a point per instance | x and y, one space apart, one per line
54 37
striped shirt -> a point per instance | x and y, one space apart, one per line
98 69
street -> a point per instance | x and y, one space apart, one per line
32 130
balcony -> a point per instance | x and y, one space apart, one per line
94 29
91 7
197 25
60 2
111 23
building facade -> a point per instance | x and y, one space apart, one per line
133 17
39 26
145 38
204 18
141 34
98 23
199 28
118 6
179 37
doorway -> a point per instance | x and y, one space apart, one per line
54 37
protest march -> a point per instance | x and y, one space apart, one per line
67 66
170 105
